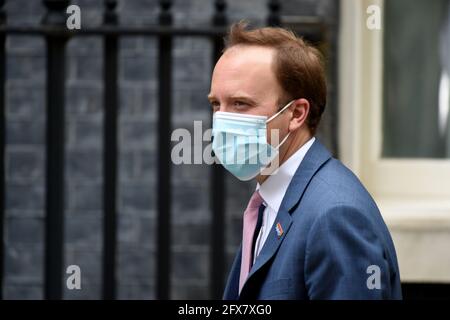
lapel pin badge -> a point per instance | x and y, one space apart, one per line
279 230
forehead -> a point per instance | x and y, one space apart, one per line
245 68
240 55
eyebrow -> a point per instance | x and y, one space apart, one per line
236 97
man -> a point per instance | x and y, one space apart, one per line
311 230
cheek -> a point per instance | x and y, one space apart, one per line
277 129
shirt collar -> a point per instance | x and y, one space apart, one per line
275 186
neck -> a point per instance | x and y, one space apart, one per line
292 146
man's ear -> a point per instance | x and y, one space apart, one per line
300 112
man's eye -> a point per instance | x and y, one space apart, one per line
215 105
240 103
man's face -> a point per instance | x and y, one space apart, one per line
243 81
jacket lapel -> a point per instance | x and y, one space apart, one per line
314 159
231 291
275 238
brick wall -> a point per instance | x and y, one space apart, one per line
25 151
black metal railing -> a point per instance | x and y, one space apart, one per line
54 30
110 153
2 143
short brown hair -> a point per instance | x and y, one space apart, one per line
298 65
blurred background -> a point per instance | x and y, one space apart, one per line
87 117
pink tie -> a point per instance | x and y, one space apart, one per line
250 219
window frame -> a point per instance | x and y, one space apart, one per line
413 194
360 118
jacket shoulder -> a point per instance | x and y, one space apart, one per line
339 185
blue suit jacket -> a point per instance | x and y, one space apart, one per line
334 244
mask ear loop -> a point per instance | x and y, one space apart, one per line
274 116
282 109
283 141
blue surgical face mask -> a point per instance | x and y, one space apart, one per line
240 142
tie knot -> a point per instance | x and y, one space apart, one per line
255 201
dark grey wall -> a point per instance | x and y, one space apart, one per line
137 209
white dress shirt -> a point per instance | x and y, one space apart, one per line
273 189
